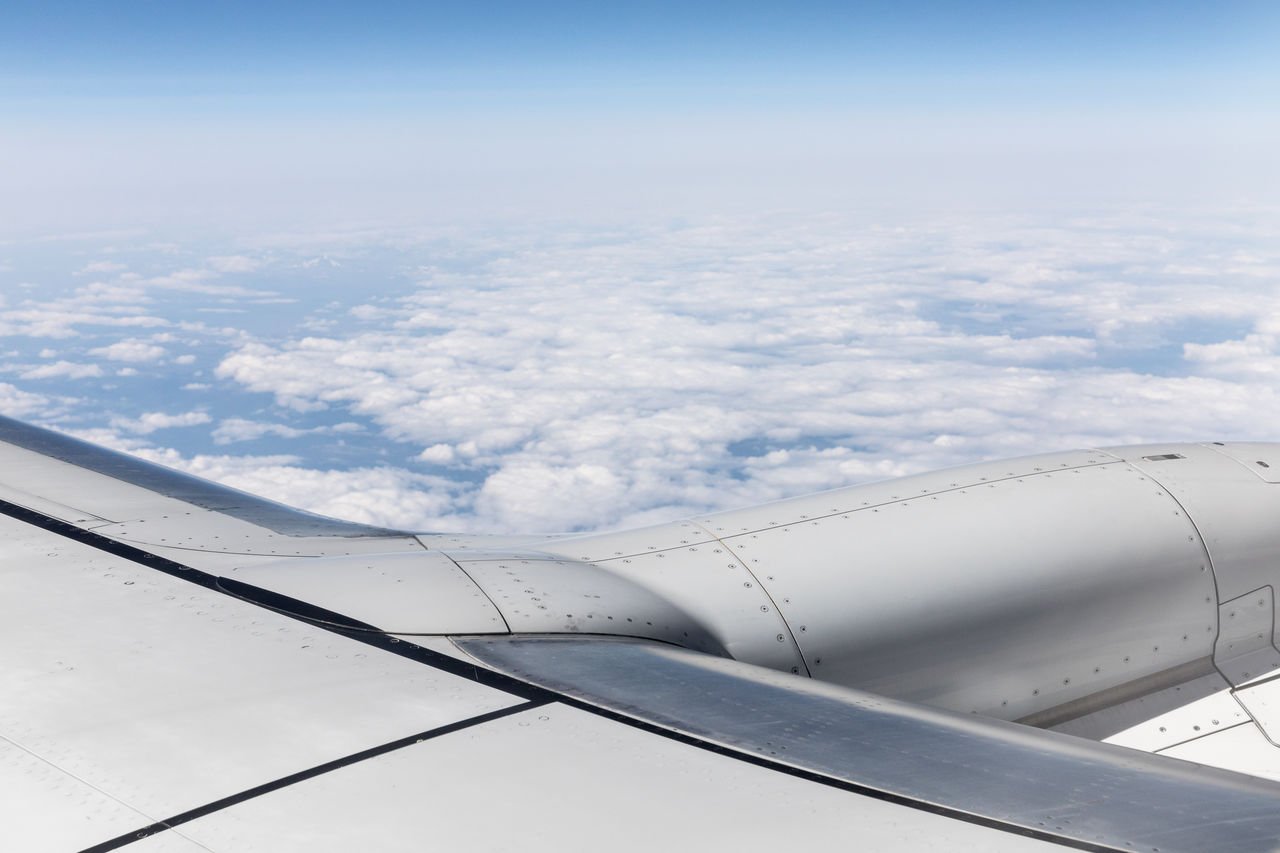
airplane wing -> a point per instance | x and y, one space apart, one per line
185 667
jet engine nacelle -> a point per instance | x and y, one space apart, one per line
1047 589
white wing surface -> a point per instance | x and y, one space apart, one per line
186 667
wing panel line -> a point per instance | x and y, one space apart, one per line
309 773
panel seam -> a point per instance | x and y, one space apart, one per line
795 641
310 773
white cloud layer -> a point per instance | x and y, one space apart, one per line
232 430
17 403
609 379
130 350
63 369
149 422
551 378
384 496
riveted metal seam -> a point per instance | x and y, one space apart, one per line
795 641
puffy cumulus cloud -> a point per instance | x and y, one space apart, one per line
531 495
120 306
116 297
61 369
589 379
122 302
384 496
131 349
149 422
1256 353
438 454
58 321
232 430
17 403
202 281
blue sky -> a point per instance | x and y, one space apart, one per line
86 60
1001 54
90 65
540 266
271 36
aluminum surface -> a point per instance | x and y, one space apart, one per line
594 547
1041 588
1028 778
538 594
839 501
1246 649
188 533
414 592
159 695
1078 582
1188 721
1233 508
1261 699
46 808
685 564
558 778
1258 458
1010 598
1241 747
